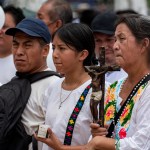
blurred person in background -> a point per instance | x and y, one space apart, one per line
12 17
55 13
86 16
103 27
2 19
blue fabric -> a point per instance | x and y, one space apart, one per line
33 27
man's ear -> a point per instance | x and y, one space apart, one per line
58 23
45 50
83 55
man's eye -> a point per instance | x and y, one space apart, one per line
15 45
27 46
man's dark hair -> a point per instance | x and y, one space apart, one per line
16 13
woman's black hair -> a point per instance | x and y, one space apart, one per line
138 24
79 36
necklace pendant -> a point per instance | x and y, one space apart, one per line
61 102
59 106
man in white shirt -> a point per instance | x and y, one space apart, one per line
54 13
103 26
30 48
7 68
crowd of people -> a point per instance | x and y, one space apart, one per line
52 43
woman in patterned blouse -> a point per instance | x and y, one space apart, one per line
127 104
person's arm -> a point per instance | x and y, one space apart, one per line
100 143
96 130
53 142
97 143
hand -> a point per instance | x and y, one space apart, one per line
52 141
89 146
100 143
96 130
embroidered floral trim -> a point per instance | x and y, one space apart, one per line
117 145
74 115
110 109
110 103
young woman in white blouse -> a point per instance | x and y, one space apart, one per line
68 109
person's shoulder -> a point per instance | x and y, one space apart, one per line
147 88
145 96
54 85
58 81
81 88
48 80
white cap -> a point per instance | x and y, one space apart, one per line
2 17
